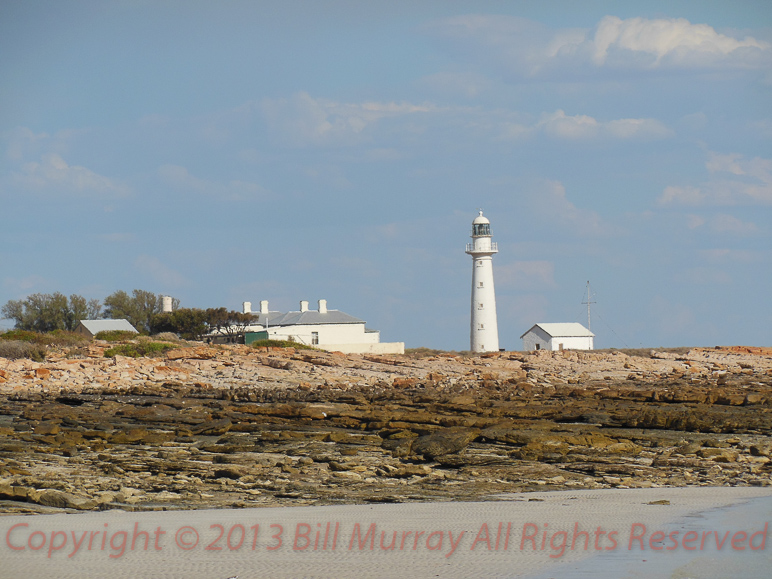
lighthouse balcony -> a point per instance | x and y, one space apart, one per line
482 248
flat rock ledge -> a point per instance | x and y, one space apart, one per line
233 426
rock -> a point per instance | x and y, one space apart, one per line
761 449
231 472
718 454
444 441
212 427
49 428
62 500
334 428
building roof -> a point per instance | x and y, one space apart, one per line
565 330
96 326
310 317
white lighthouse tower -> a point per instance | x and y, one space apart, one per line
484 330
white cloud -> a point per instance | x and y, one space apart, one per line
235 190
733 181
527 48
553 204
302 120
22 141
559 125
694 221
724 223
672 42
54 174
305 121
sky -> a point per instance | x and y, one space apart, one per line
231 151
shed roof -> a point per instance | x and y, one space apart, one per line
96 326
563 330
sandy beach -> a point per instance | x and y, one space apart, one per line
611 532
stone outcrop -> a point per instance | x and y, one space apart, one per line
234 426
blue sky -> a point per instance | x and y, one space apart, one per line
222 152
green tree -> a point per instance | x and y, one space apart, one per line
229 323
49 312
82 309
138 308
188 323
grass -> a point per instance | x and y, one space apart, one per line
16 344
15 349
281 344
115 335
140 349
419 353
21 336
168 337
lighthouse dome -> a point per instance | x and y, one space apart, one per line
480 219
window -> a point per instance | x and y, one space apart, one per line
314 338
481 284
480 306
482 327
479 229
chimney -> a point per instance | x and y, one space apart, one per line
303 306
247 307
264 306
322 306
166 304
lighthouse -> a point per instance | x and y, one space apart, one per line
484 334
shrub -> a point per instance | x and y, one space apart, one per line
139 349
20 336
115 335
281 344
429 352
167 337
14 349
64 339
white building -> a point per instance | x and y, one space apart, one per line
484 331
569 336
330 330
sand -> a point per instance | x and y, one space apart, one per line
521 535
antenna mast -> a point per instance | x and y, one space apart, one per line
588 302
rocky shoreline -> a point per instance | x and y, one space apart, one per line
232 426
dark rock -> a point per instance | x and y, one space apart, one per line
444 441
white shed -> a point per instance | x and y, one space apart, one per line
91 328
568 336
